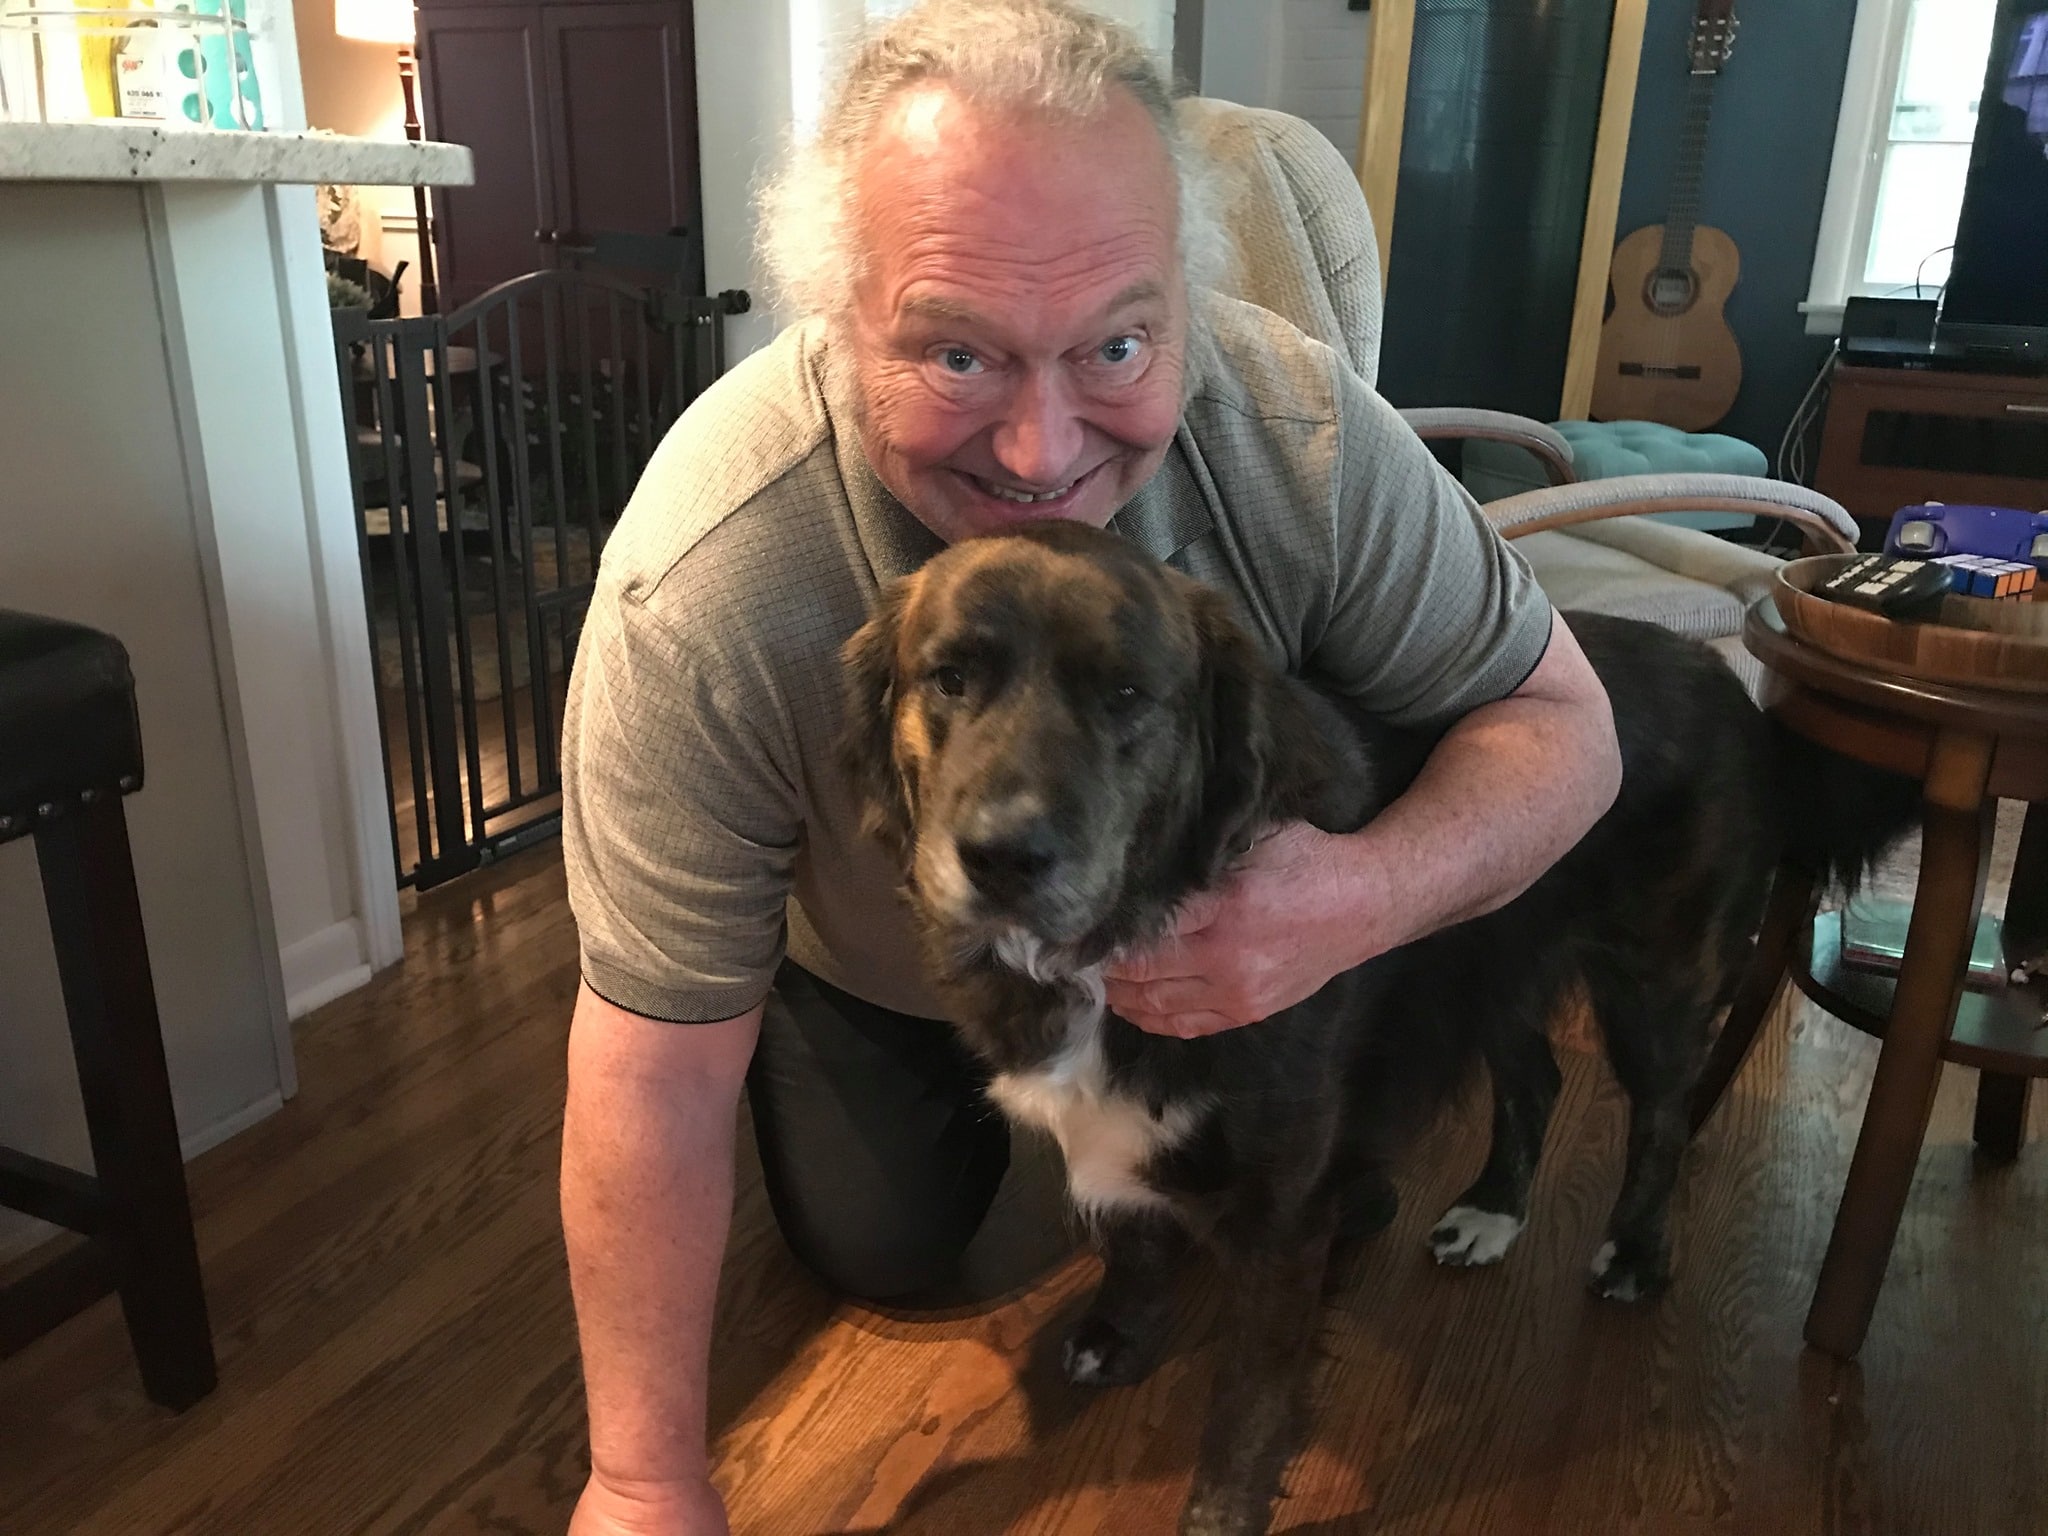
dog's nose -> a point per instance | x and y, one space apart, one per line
1009 863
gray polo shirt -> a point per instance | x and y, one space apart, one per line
706 825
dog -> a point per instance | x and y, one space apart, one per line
1061 739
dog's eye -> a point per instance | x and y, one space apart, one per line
1126 696
950 681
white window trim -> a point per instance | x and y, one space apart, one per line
1876 50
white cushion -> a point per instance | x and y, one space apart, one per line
1597 578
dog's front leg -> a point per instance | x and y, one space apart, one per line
1117 1342
1274 1304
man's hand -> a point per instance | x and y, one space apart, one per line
1271 934
689 1509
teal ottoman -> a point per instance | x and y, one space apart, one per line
1602 450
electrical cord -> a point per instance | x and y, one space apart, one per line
1923 267
1792 447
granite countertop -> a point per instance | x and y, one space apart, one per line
118 151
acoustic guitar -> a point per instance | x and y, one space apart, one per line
1666 353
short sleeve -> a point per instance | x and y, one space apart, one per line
680 823
1432 614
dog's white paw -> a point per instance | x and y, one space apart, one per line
1083 1365
1468 1236
1637 1280
1614 1287
1099 1354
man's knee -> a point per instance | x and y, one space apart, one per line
880 1154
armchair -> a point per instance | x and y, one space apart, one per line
1304 248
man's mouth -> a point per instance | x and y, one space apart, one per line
1025 497
1004 493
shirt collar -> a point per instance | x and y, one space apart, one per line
1170 511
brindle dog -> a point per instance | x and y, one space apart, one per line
1063 739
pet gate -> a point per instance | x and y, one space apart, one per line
493 450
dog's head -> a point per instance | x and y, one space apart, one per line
1056 734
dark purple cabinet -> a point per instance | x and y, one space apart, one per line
583 117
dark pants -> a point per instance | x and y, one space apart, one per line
880 1151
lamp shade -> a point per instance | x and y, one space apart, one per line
374 21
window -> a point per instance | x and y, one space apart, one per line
1902 150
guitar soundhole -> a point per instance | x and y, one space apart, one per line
1671 290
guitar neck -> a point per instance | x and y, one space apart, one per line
1689 174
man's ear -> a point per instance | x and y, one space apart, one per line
867 746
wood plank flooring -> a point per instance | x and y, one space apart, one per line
385 1270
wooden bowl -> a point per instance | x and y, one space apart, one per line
1975 642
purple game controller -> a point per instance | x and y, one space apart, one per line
1933 529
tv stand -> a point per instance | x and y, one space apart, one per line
1896 436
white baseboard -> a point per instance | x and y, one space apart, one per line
18 1233
324 966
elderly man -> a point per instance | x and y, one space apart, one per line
999 240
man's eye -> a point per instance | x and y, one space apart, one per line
950 681
1119 349
958 360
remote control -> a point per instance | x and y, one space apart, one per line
1896 588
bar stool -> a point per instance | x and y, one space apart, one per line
70 748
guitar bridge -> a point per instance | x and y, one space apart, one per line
1660 370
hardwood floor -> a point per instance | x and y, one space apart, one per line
397 1354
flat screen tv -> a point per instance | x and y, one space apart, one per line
1996 302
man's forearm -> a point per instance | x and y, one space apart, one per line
1507 792
647 1175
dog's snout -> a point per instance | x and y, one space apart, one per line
1010 857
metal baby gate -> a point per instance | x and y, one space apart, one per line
493 450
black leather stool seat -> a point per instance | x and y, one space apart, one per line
68 728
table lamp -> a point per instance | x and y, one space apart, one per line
391 21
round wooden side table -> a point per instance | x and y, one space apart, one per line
1969 747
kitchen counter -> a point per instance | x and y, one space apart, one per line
122 151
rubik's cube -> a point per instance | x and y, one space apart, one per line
1982 576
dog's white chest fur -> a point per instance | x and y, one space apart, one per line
1105 1136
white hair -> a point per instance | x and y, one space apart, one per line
1049 57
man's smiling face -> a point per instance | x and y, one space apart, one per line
1020 331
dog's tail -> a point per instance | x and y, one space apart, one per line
1839 816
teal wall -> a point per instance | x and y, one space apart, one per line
1773 135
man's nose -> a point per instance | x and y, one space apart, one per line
1039 438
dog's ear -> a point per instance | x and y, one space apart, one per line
1238 747
867 746
1272 750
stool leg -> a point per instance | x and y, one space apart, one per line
103 963
1787 917
2000 1128
1955 850
2001 1125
